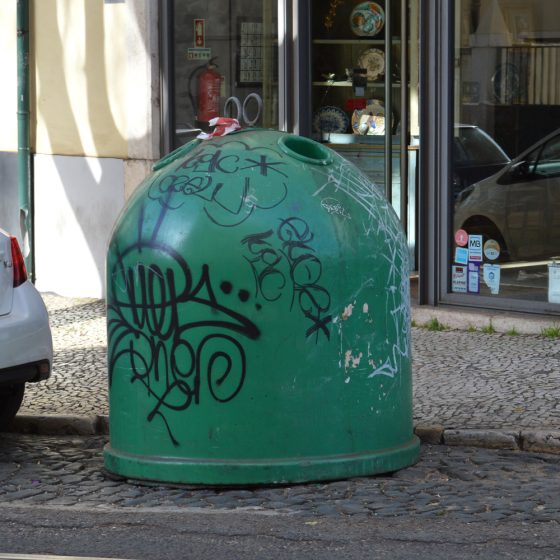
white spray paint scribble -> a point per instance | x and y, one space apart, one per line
382 221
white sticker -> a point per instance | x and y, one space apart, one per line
491 275
491 249
475 248
199 54
459 279
474 278
554 282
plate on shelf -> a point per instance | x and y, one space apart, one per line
371 120
367 19
330 119
373 60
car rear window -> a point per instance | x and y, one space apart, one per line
474 146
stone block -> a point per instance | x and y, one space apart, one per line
541 441
490 439
430 434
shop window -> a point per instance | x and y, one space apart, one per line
505 236
224 51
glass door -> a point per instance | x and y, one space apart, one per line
356 79
504 242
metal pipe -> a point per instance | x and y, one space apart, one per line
404 116
24 151
388 104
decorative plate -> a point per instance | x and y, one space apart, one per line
371 120
373 60
330 119
367 19
506 83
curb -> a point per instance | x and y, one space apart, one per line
461 318
55 425
533 440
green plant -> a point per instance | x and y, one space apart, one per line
413 323
471 328
434 325
551 332
488 329
512 332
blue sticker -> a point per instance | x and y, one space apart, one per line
461 255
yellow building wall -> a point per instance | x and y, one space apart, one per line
79 92
8 71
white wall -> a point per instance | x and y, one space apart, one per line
77 201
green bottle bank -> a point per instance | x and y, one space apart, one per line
258 319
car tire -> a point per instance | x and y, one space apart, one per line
11 397
489 230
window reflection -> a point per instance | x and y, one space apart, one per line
225 51
507 101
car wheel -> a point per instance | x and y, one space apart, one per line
10 401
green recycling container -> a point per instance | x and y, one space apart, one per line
258 319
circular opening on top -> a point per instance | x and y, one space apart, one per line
305 149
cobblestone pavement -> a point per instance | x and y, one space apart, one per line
468 484
78 384
462 379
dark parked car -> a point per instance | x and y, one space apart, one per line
476 156
520 205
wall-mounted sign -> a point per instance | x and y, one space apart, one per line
491 249
475 248
459 279
199 54
251 52
199 34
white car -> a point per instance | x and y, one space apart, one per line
519 206
25 335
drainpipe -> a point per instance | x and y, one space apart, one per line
24 152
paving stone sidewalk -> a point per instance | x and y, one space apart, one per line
496 387
468 484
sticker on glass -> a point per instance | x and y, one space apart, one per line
491 276
554 282
461 237
475 248
473 278
459 279
491 249
461 255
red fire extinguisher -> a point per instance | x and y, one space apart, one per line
208 93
